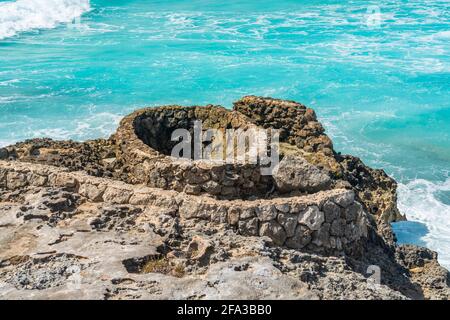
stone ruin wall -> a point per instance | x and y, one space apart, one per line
145 146
126 157
318 201
144 140
303 134
330 222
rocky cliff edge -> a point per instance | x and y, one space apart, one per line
118 218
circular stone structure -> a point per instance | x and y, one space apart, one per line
311 202
144 147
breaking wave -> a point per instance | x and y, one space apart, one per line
26 15
429 203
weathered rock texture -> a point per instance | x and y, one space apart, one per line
305 136
121 219
139 153
144 147
329 222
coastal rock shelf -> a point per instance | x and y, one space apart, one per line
330 222
133 222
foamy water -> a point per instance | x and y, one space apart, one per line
423 201
26 15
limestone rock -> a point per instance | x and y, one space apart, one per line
274 231
338 227
249 227
345 199
312 217
266 212
289 222
15 180
92 192
212 187
301 238
167 240
117 196
112 213
233 215
321 237
247 213
295 173
65 180
352 211
200 249
331 210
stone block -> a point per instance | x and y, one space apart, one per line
248 227
266 212
16 180
274 231
312 217
289 222
301 238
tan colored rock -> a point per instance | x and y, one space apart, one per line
289 222
193 189
92 192
115 195
37 180
249 227
345 199
196 208
65 180
200 249
295 173
3 178
233 216
141 198
16 180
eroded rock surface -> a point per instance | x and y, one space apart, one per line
120 219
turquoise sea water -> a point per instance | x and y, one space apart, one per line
379 83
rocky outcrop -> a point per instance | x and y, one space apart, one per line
295 173
139 153
328 222
121 219
144 140
305 136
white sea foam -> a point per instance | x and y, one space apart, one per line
442 35
97 125
419 200
26 15
4 143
